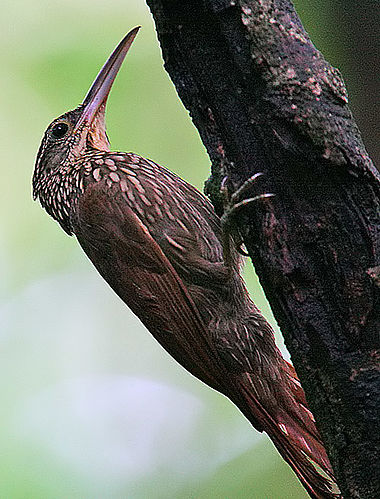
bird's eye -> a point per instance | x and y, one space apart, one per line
59 130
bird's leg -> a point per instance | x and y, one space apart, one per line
233 204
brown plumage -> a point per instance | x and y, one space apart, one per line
157 241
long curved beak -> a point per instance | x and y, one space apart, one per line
100 89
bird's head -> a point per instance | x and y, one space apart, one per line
74 133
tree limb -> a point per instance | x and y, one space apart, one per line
265 100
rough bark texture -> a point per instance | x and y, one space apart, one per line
264 100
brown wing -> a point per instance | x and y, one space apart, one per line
135 267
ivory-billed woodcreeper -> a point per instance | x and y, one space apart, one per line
157 241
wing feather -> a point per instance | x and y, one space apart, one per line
124 253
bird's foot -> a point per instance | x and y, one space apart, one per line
233 205
235 202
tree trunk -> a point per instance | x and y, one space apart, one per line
264 100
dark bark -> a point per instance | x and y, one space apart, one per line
264 100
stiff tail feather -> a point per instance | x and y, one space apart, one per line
291 427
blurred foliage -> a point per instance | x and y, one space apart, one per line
91 406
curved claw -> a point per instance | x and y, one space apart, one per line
234 204
245 202
241 251
245 186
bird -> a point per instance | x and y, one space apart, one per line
158 243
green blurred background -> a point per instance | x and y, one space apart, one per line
91 406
